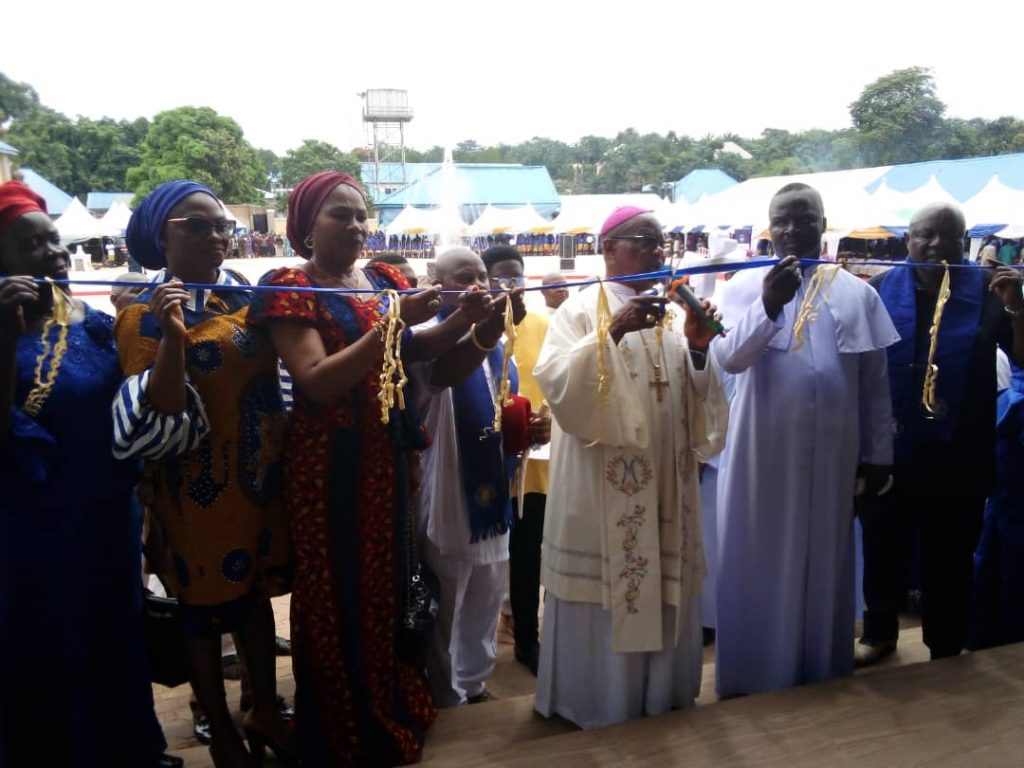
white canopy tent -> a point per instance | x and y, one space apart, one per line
584 214
848 208
1012 232
427 221
77 223
497 221
115 220
676 215
906 203
995 203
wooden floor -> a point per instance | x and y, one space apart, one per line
967 711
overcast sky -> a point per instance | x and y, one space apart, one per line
508 71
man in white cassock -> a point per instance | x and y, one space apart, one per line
812 417
622 561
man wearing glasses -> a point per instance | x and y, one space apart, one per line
505 271
637 406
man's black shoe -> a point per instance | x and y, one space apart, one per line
529 657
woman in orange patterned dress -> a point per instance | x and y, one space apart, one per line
202 404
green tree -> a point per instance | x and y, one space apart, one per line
591 149
433 155
1001 136
198 144
466 146
556 156
104 150
45 141
899 118
313 156
271 164
962 138
16 99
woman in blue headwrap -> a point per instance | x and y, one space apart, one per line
74 679
202 404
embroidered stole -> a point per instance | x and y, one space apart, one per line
637 533
486 471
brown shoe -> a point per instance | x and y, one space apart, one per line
864 654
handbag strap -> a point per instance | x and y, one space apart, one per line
411 548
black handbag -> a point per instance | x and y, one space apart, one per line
165 639
421 595
421 604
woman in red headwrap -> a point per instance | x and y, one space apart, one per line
75 679
359 701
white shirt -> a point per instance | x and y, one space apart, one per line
442 515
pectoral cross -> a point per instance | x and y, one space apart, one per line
657 385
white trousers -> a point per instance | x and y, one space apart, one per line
582 679
465 645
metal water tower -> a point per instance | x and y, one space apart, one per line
385 113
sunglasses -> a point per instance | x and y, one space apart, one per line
508 283
650 241
200 227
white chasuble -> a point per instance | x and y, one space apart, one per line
623 525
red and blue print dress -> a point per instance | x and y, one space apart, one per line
358 702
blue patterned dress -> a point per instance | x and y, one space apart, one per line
75 685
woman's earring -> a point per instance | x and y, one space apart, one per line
308 242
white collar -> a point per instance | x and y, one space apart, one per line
198 297
624 291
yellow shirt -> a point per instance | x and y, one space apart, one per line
530 339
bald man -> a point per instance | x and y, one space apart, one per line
123 295
811 418
553 297
464 504
944 462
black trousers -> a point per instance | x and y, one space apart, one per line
949 519
524 569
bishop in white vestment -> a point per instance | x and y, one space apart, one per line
635 412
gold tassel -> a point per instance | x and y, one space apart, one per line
60 317
821 282
505 385
392 375
929 397
604 321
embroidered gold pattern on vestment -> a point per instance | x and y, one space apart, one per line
629 476
635 568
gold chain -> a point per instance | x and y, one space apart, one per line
929 397
659 382
392 375
505 385
659 331
60 317
343 282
